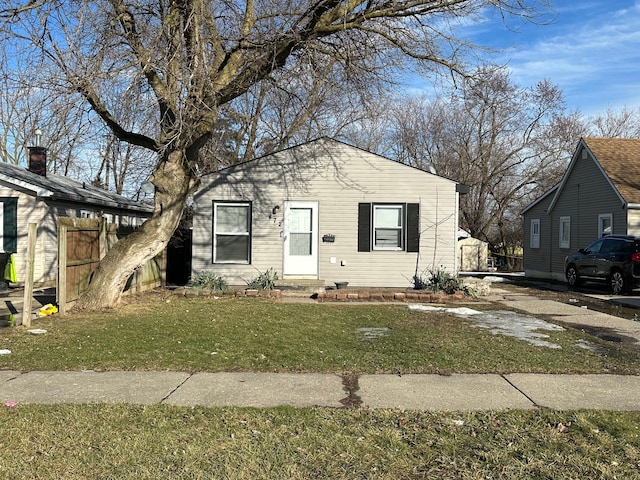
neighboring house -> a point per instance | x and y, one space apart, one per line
473 253
326 211
34 196
598 195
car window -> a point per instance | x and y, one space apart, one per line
624 246
617 245
594 247
609 245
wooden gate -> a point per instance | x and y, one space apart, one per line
82 242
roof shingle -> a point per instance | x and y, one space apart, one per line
620 159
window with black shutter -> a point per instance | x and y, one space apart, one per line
388 227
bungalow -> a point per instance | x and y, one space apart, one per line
34 196
326 212
598 195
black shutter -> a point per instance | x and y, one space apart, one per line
10 224
413 227
364 227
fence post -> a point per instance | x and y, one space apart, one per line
28 281
62 268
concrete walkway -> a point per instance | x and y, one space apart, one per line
605 326
458 392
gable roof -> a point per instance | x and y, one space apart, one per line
540 199
619 161
57 187
328 144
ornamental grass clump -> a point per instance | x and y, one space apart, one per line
208 281
264 281
440 280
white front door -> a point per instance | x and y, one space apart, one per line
300 238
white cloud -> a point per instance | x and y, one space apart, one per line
591 50
593 55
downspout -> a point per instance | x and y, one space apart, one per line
460 190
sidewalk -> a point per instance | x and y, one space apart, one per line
464 392
458 392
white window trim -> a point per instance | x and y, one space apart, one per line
565 226
601 217
534 241
402 227
216 233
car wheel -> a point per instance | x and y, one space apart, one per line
617 282
572 276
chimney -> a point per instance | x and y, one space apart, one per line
38 160
38 156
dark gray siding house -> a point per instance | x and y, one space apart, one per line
537 236
598 195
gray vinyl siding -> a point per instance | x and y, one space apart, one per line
338 177
586 194
537 261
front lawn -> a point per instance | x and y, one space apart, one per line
160 332
157 442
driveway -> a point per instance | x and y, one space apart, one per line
610 318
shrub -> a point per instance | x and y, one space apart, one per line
208 281
264 281
440 280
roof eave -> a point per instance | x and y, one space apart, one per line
35 189
94 203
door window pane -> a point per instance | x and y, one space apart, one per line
300 231
300 244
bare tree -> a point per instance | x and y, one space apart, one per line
190 58
624 123
297 104
505 142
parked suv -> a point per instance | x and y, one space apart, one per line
614 259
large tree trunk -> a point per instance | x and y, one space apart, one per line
173 182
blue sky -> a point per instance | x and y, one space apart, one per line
589 48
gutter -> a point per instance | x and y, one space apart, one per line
39 191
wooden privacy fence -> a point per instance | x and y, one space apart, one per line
82 242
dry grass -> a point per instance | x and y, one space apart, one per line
134 442
173 333
114 441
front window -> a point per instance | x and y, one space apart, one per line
388 224
231 232
605 224
565 232
535 233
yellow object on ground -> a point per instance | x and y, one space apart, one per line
48 309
